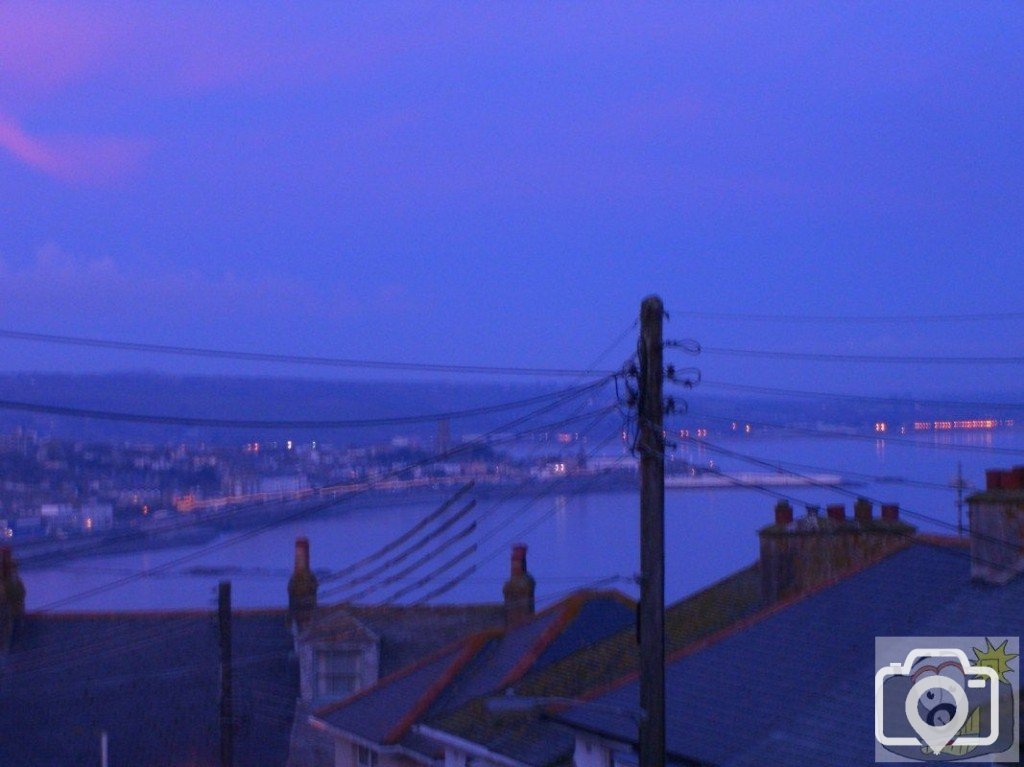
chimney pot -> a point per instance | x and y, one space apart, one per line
519 559
996 521
799 557
302 586
1012 479
994 479
891 512
783 513
836 512
12 598
519 589
301 554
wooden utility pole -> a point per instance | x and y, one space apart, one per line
960 485
227 724
651 443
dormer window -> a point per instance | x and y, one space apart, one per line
337 672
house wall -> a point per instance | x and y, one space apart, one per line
590 753
368 672
454 757
997 537
318 747
345 755
309 747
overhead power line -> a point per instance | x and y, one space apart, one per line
895 359
494 505
300 513
352 583
424 559
401 539
746 458
178 420
878 319
291 359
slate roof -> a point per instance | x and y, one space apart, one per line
532 740
478 665
792 685
407 633
151 680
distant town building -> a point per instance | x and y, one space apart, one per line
67 517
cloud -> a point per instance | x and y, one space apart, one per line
44 49
74 159
58 289
58 292
160 51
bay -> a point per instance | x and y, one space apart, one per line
574 540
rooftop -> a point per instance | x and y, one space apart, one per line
794 679
475 666
534 741
70 676
407 633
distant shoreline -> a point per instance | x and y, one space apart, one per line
44 553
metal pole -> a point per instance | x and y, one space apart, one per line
651 442
226 715
103 749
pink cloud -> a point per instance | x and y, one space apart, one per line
76 160
44 48
157 50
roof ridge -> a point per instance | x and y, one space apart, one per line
404 671
750 620
184 612
570 610
711 586
939 539
322 623
615 639
608 594
452 608
121 614
468 647
473 646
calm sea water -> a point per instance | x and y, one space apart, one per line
574 540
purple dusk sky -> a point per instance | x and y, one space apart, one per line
501 183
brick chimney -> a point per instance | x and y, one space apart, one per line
996 518
12 598
519 589
797 555
302 586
